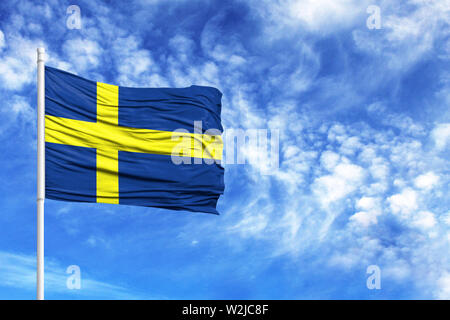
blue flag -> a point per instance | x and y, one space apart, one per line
155 147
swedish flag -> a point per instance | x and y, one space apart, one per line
110 144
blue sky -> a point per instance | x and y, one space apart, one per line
364 123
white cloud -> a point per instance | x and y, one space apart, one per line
444 287
2 40
446 218
441 135
20 107
424 220
337 133
403 203
364 218
183 47
367 154
16 112
395 120
134 64
426 181
398 269
370 209
325 15
346 178
84 54
252 225
367 203
18 62
329 160
313 15
409 32
379 168
350 146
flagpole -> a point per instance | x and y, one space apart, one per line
40 172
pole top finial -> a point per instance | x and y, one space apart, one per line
40 54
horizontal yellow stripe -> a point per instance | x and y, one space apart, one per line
102 135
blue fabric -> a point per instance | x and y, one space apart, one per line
70 173
151 180
169 109
70 96
144 179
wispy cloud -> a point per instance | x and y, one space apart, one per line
19 271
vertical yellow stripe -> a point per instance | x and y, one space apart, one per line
107 159
107 176
107 103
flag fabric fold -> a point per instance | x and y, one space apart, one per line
133 146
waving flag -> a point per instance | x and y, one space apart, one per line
111 144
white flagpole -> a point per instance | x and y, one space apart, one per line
40 172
